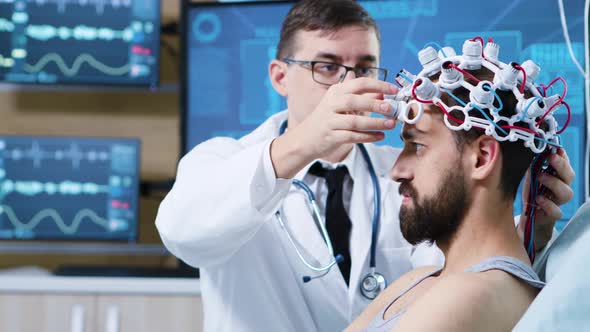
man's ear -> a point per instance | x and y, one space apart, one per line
277 71
485 156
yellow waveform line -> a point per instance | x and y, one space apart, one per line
69 230
63 67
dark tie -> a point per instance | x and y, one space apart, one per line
338 223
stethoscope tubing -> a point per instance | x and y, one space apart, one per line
318 220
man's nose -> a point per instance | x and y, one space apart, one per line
349 75
401 171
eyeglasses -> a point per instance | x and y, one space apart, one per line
329 73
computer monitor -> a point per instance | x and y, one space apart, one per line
69 188
227 47
86 42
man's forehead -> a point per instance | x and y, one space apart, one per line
429 123
348 43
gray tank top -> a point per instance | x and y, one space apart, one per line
504 263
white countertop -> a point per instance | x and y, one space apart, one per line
99 285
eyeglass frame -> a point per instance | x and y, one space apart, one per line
311 64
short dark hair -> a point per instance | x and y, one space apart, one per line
324 15
516 158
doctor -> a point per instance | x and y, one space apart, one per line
240 209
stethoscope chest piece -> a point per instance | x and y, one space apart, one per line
372 285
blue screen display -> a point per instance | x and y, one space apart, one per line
68 188
229 46
107 42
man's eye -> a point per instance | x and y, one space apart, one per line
418 147
327 68
365 71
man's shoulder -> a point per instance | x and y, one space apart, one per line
489 287
403 282
493 300
384 299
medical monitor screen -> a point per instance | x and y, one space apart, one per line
228 47
84 42
68 188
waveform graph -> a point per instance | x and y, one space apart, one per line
68 188
36 153
43 65
53 218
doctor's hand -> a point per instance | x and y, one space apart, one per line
559 192
340 118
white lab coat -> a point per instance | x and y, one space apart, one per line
219 216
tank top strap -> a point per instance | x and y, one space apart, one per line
509 265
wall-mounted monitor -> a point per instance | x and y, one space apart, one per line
69 188
85 42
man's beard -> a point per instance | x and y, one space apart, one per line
435 218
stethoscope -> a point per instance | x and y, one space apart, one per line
374 282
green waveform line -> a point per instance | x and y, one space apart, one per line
46 59
80 32
32 188
6 25
51 213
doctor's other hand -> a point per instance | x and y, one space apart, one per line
559 193
341 117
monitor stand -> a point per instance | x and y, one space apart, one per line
126 271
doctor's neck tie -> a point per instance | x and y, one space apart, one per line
338 223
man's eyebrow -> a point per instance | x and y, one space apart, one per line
338 59
329 56
368 58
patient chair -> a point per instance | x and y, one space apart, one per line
564 304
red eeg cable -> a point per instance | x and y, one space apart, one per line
564 86
464 72
569 116
523 129
546 87
460 122
535 190
557 103
523 78
481 41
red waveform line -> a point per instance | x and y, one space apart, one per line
136 49
116 204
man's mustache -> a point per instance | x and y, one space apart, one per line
406 189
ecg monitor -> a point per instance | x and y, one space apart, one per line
86 42
68 188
